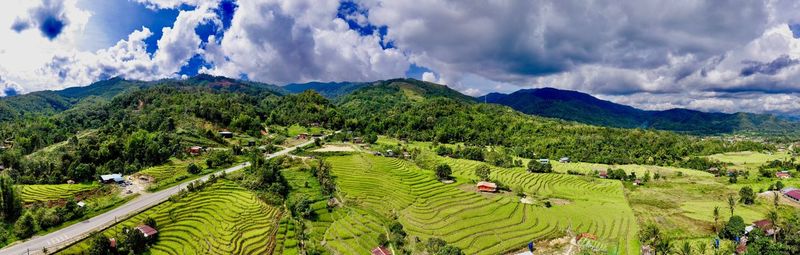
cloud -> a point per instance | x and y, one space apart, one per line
49 17
299 41
770 68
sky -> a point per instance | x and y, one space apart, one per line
726 56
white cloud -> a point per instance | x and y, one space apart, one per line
300 41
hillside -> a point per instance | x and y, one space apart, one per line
581 107
330 90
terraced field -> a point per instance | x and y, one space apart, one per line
223 218
478 223
49 192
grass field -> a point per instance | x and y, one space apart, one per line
223 218
49 192
639 169
749 160
479 224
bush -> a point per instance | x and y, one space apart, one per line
483 172
193 169
443 171
733 228
25 226
746 195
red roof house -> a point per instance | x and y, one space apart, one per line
783 175
487 186
147 231
195 150
766 226
603 174
381 251
793 195
112 242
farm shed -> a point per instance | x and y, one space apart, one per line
111 178
766 226
487 186
146 230
381 251
226 134
603 174
564 160
783 175
194 150
793 195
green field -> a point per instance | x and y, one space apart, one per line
223 218
640 170
50 192
749 160
479 224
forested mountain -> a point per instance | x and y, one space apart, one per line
330 90
147 122
581 107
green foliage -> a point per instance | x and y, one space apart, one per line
10 202
300 207
132 241
193 169
482 172
746 195
535 166
100 245
443 171
25 226
733 228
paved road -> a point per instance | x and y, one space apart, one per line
77 231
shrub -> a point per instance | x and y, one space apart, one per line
25 226
193 169
733 228
483 172
443 171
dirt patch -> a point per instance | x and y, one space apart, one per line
526 200
335 148
559 201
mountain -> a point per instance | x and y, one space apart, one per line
51 102
581 107
330 90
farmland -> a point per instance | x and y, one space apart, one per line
45 192
223 218
479 224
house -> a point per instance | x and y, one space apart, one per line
70 182
563 160
487 186
783 175
741 248
302 136
766 226
406 154
544 161
389 153
226 134
112 242
377 153
380 251
111 178
2 168
194 150
147 231
603 174
713 170
358 140
637 182
81 204
793 195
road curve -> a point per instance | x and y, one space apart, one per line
77 231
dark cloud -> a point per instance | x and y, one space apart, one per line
795 30
9 91
49 18
768 68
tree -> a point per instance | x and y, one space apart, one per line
483 172
443 171
716 218
450 250
25 226
779 185
434 245
746 195
731 203
301 207
150 222
371 138
193 169
10 203
133 241
99 245
733 228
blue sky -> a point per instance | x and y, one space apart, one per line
651 54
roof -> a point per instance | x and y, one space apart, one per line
762 223
381 251
147 230
794 194
783 174
114 177
487 184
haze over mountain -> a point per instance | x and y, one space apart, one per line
585 108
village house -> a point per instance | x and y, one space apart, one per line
741 248
544 161
111 178
146 230
487 186
713 170
302 136
564 160
195 150
389 153
637 182
603 174
793 194
766 226
380 251
226 134
358 140
783 175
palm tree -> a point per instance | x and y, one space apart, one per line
773 217
716 218
776 199
702 247
731 203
